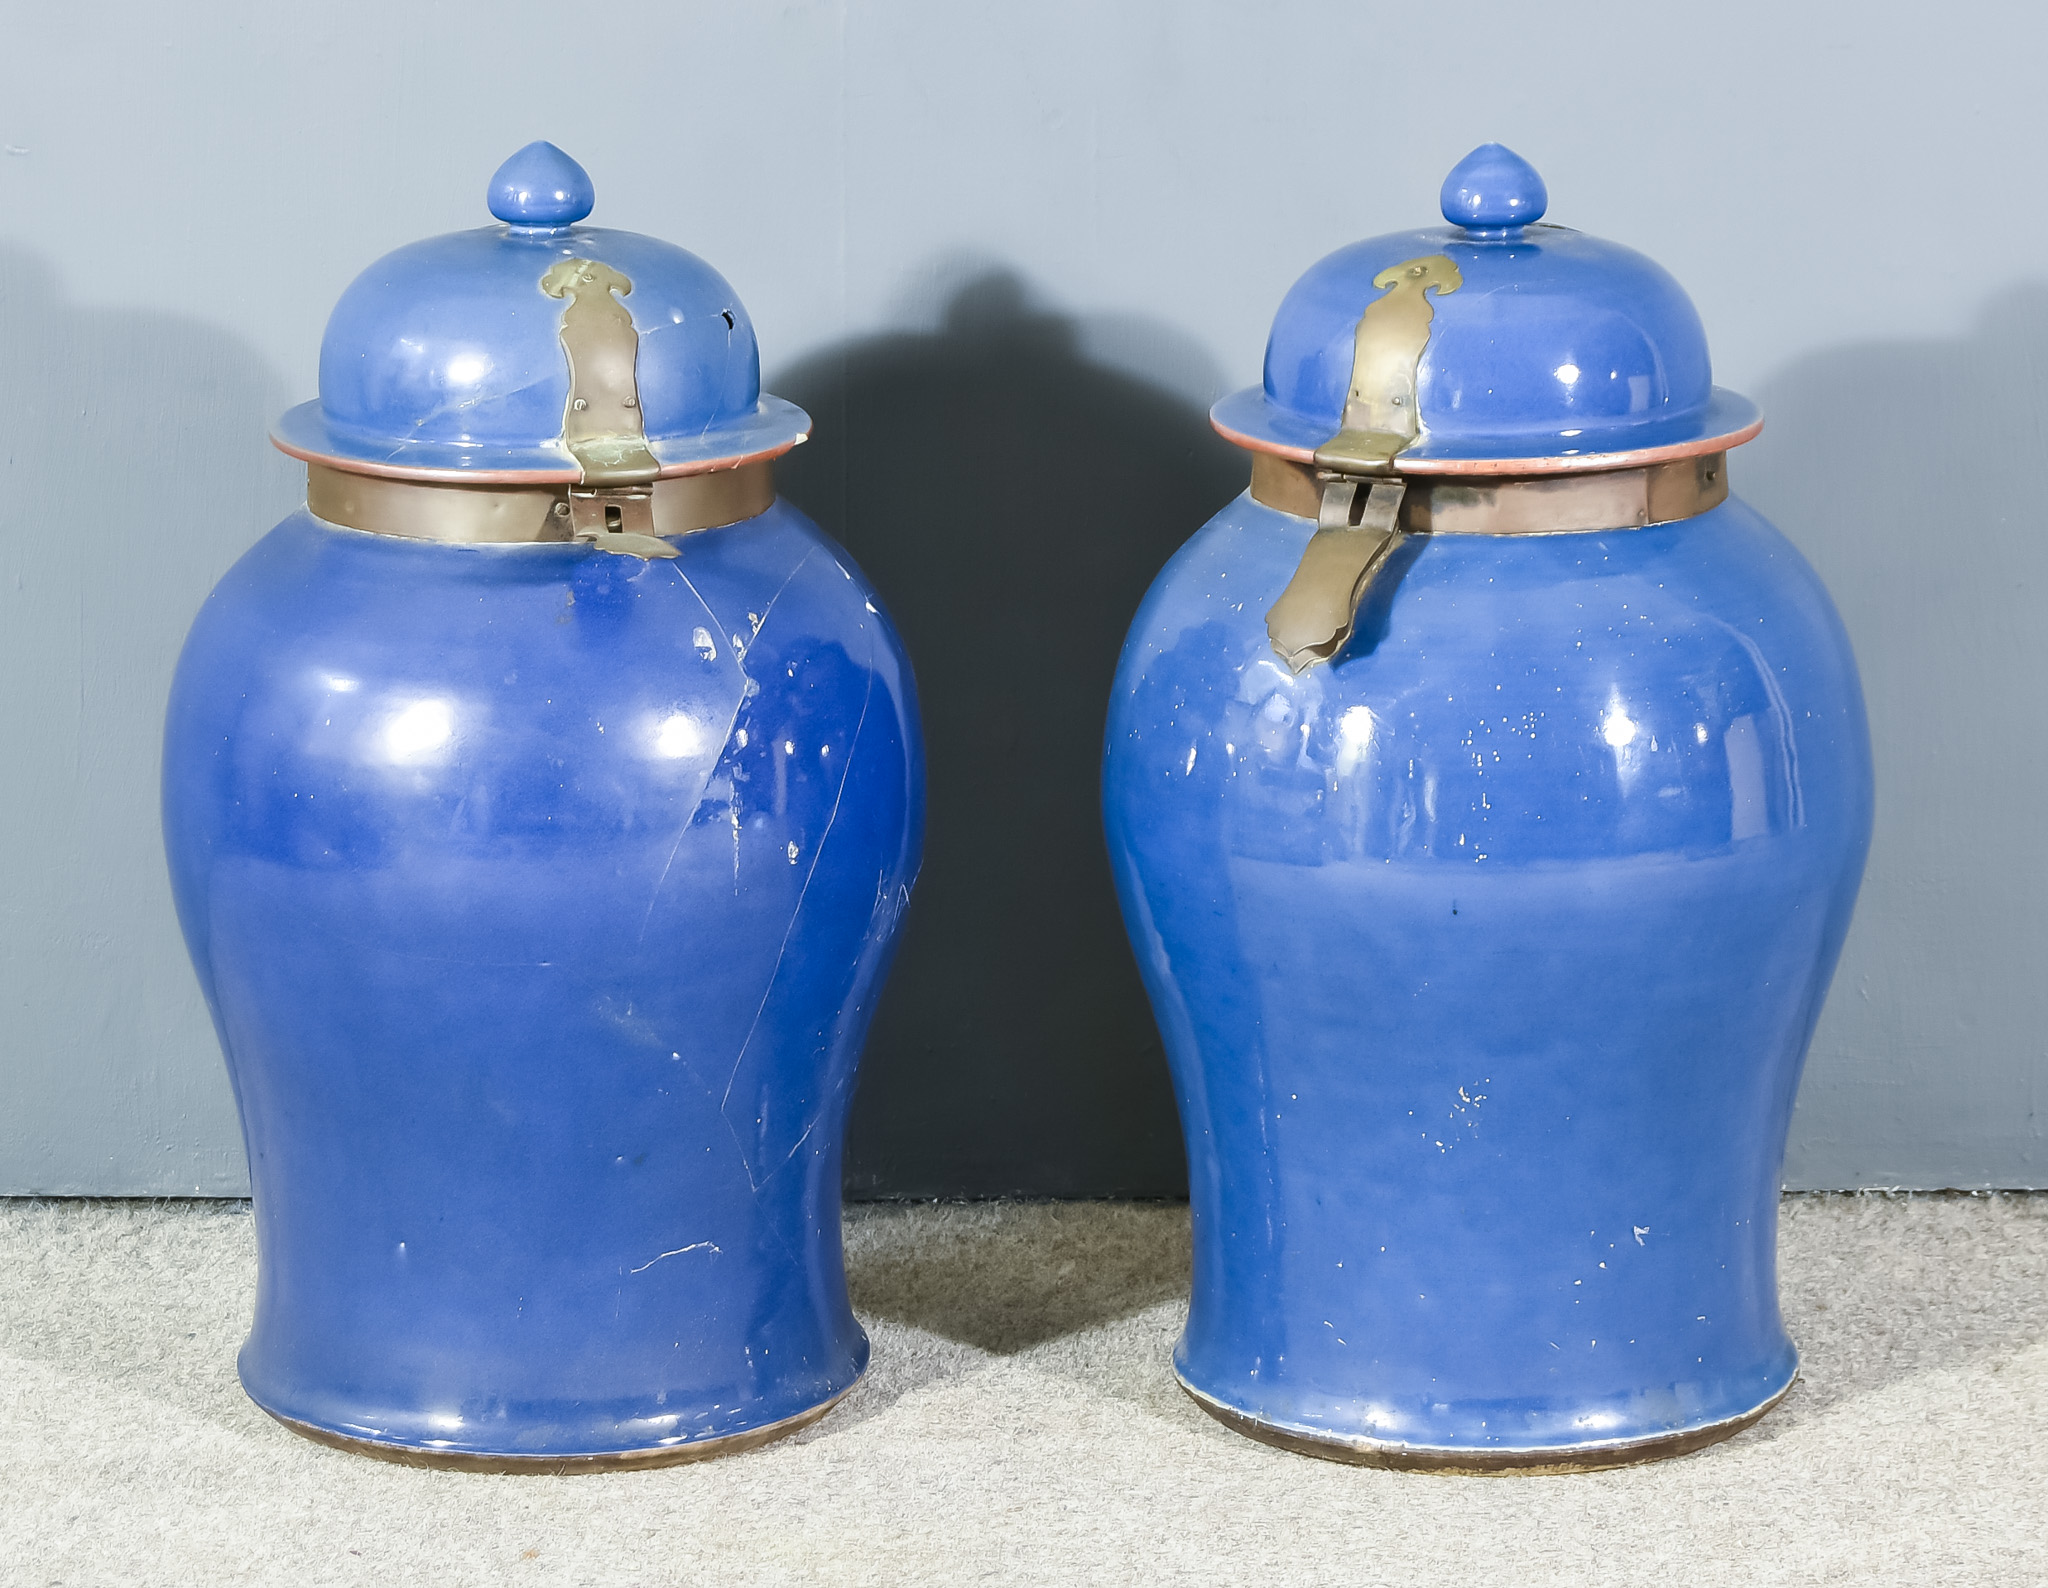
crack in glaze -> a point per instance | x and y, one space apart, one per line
739 704
694 1246
796 914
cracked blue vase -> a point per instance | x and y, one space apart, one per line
1488 791
542 801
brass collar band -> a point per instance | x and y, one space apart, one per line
1552 504
638 519
1361 520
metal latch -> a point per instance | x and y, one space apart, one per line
1357 529
612 506
1358 523
617 519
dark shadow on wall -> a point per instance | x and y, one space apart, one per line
1911 475
1012 500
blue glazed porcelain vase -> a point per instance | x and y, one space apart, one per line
1488 791
541 805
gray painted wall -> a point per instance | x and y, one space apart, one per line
1038 240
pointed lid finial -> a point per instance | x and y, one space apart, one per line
1494 191
541 187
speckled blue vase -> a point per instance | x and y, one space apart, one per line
540 874
1487 951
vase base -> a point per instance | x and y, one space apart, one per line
1473 1463
563 1466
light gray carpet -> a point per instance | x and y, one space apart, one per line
1019 1426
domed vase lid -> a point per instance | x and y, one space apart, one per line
540 350
1499 344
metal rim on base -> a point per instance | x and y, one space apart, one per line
564 1466
1479 1463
